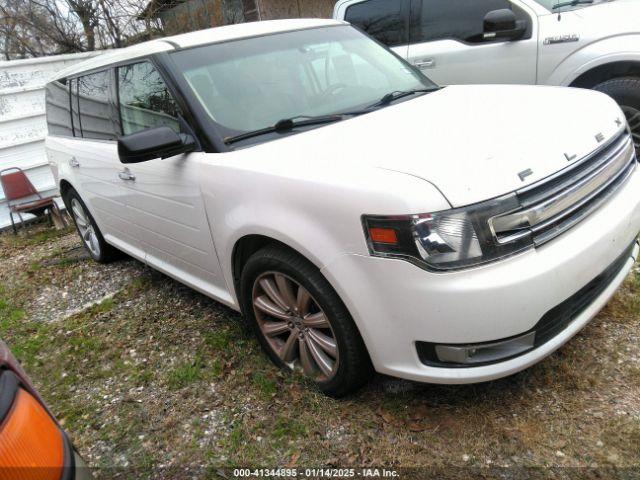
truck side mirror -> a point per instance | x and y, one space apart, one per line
503 24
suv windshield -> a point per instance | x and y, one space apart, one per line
564 5
254 83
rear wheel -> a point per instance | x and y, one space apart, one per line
88 230
626 91
301 322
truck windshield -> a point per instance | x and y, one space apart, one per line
253 83
564 5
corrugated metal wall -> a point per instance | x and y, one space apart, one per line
23 124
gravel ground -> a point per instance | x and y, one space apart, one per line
153 380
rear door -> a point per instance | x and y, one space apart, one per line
446 43
164 194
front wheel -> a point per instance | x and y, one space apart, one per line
301 322
626 91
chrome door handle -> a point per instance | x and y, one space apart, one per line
126 175
427 63
74 163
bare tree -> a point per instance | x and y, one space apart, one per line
30 28
37 27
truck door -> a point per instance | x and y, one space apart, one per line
448 43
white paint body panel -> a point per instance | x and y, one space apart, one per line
185 215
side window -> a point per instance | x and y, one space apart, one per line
96 115
145 102
59 108
75 113
382 19
454 19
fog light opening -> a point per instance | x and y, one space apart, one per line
485 353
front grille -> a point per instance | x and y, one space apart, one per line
554 205
550 325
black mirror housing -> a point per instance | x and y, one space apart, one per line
503 23
499 20
159 142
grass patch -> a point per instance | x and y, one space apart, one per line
265 384
220 339
104 306
185 374
289 428
34 235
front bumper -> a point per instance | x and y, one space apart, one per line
396 304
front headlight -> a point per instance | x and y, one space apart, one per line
446 240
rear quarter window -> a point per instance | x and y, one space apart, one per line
58 108
97 114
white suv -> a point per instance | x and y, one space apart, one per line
583 43
357 214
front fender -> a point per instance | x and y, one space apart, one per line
321 221
621 48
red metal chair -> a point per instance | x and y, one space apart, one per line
22 197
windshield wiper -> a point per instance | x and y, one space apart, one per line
572 3
398 94
289 124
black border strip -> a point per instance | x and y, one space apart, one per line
8 390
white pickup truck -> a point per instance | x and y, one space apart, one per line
582 43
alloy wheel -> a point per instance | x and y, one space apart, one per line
295 326
85 227
633 118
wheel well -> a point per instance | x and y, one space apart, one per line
606 72
64 189
247 246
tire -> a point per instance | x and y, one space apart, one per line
88 230
626 91
318 321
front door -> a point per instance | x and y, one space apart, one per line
164 194
447 44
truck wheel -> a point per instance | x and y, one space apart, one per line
626 91
301 323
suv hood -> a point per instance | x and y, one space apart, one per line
472 142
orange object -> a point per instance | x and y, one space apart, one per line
383 235
31 444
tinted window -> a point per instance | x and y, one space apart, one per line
75 116
382 19
145 101
58 109
455 19
96 116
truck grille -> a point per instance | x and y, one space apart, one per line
557 203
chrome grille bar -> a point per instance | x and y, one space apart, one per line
561 202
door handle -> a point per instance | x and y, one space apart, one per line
74 163
126 175
426 63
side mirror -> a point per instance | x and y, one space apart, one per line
160 142
503 24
